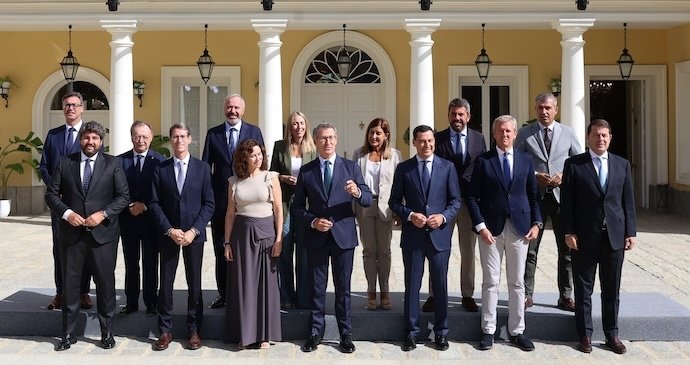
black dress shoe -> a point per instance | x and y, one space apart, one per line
66 342
152 310
615 345
469 304
585 345
312 344
409 344
219 302
522 342
126 310
441 343
107 341
346 344
487 342
428 306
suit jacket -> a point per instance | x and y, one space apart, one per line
475 146
217 155
311 202
140 187
108 191
564 144
53 149
407 196
585 206
385 180
491 200
281 161
192 208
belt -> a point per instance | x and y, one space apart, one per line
549 190
374 196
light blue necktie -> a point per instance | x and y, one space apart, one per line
506 169
180 176
603 172
327 177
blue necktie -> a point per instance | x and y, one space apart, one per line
70 140
458 147
506 169
180 176
603 172
86 180
426 178
327 177
232 141
137 163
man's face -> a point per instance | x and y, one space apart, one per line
326 140
425 144
458 117
504 135
180 140
90 143
599 139
141 138
546 111
234 110
72 107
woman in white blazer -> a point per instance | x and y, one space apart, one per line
377 160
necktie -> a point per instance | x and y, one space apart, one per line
180 176
137 163
327 177
232 141
458 147
603 172
426 178
70 140
547 139
86 179
506 169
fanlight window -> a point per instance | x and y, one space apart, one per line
94 98
324 68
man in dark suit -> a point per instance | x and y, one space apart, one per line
326 188
598 209
88 190
549 143
504 205
461 145
426 197
139 239
62 141
219 147
182 205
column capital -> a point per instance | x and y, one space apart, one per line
573 27
269 27
119 26
422 27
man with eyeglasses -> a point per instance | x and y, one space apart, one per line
63 141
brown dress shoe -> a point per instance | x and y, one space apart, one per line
428 306
469 304
85 301
386 301
585 345
163 342
528 301
194 342
566 304
371 302
615 345
56 303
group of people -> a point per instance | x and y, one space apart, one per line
275 229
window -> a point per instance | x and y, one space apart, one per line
324 68
94 99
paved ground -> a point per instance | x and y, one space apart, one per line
660 263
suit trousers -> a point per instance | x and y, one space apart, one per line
585 263
551 208
294 276
102 257
85 282
218 237
341 261
514 247
170 256
139 242
375 234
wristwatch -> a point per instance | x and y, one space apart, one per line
539 225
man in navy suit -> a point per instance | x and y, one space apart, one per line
219 147
504 205
461 145
139 239
598 209
182 205
88 191
426 197
62 141
325 190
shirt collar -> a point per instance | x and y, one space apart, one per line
462 132
184 160
77 126
419 159
143 154
542 127
501 152
593 155
237 126
331 159
92 158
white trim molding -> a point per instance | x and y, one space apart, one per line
681 125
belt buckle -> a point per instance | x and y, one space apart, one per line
549 189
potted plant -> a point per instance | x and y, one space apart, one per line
6 82
17 145
555 85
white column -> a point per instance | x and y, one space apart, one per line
121 77
572 106
270 80
421 73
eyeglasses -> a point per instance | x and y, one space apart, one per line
71 106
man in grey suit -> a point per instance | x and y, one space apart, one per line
549 143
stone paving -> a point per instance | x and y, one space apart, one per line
659 263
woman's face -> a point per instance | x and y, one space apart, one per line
298 127
256 158
376 137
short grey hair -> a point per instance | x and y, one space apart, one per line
502 120
322 126
179 125
139 123
543 97
92 127
234 96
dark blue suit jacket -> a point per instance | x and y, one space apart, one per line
491 200
444 197
310 202
584 205
475 147
192 208
140 187
53 149
217 155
